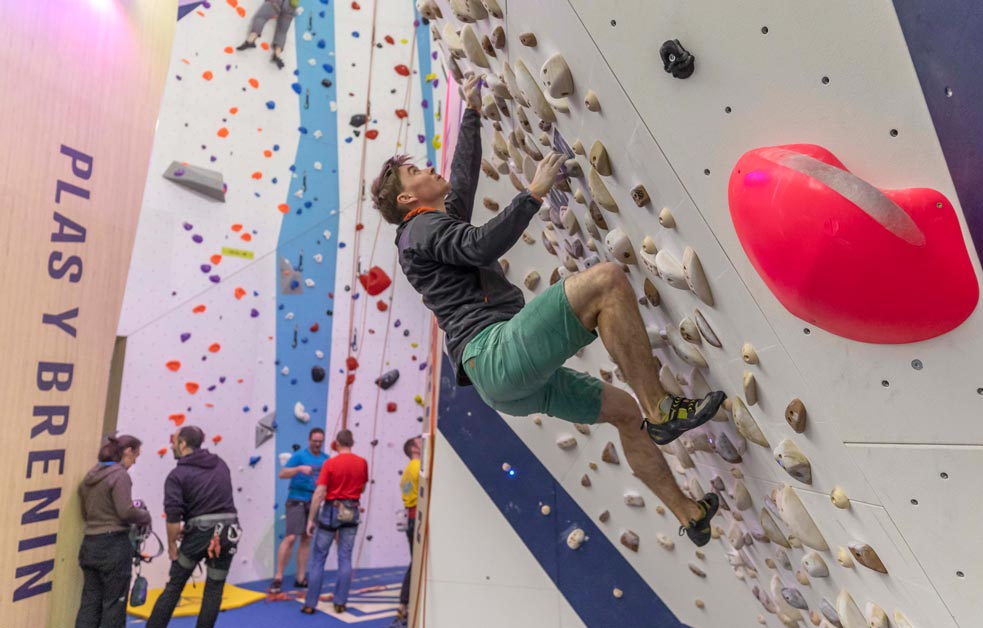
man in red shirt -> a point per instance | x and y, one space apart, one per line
335 511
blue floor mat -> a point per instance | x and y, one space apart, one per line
371 604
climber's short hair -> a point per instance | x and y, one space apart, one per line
387 187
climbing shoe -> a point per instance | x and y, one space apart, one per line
277 61
275 587
307 610
698 530
682 415
340 608
300 585
246 45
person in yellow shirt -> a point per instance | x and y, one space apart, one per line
409 484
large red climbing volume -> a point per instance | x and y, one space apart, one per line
878 266
375 281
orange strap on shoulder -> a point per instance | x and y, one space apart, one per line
417 212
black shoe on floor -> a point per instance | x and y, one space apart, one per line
278 61
275 587
698 530
340 608
307 610
246 45
300 585
682 415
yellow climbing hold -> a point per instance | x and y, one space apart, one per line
436 141
419 400
430 77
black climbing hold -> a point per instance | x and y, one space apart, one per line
295 447
676 60
375 441
388 379
317 373
326 82
357 120
368 537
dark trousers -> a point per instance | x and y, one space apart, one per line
194 549
106 561
404 592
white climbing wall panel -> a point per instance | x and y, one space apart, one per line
837 74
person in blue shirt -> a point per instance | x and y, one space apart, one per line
302 470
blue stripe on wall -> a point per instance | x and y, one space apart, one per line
426 87
586 577
944 39
301 237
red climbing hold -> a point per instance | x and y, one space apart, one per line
375 281
173 365
356 6
351 363
382 305
191 387
390 40
402 70
214 347
162 452
401 113
371 134
391 406
315 327
359 227
178 419
217 439
350 379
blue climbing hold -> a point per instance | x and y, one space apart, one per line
254 460
270 104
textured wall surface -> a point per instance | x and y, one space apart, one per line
892 425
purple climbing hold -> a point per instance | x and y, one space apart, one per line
197 238
425 104
185 337
434 55
214 278
179 172
397 323
254 313
221 380
206 268
188 226
436 82
211 388
423 366
421 138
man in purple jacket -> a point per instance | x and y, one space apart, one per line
513 352
201 513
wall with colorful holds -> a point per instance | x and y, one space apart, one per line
848 528
232 305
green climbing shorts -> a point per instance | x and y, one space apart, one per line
517 365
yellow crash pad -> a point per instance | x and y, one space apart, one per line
190 604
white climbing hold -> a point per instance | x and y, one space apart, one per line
666 219
795 463
284 457
634 500
696 279
748 354
289 316
750 388
814 565
664 541
492 7
689 331
575 539
598 157
844 557
591 101
317 165
531 280
309 282
318 258
557 77
876 617
849 612
798 520
600 192
300 413
745 423
531 92
671 270
617 593
839 498
771 529
619 246
686 351
285 370
568 442
742 498
319 354
669 382
545 510
327 234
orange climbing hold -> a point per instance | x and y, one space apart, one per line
241 11
267 153
240 292
264 45
191 387
217 439
233 3
236 227
233 110
223 132
254 83
178 419
198 309
229 50
257 175
214 347
246 237
173 365
162 452
283 207
207 75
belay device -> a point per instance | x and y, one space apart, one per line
139 535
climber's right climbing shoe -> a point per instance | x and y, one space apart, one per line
246 45
679 415
699 530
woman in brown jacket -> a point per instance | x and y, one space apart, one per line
106 556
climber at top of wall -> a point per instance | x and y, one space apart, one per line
284 12
513 352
